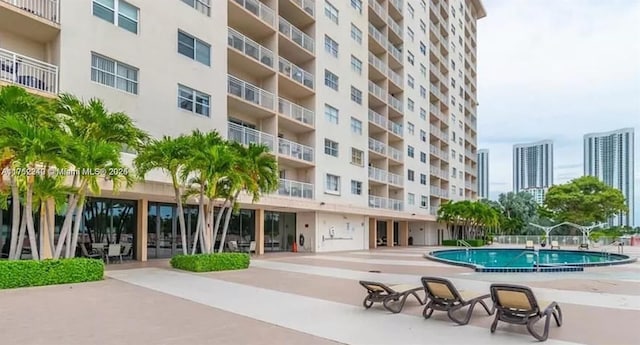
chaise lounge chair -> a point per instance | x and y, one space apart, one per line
554 244
443 296
392 297
529 245
517 305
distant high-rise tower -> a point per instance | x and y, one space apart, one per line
609 157
533 165
483 174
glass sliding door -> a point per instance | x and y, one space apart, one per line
279 231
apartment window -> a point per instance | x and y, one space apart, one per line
356 187
332 184
461 192
331 147
453 30
356 34
331 46
423 113
411 11
453 136
460 40
423 157
411 81
454 172
423 49
194 48
453 189
331 80
453 153
357 157
423 92
460 142
453 101
423 4
423 70
423 201
453 11
356 126
410 151
423 179
356 95
410 58
331 12
460 156
460 174
460 124
423 135
453 83
460 107
356 65
114 74
453 65
204 6
410 128
331 114
357 5
410 34
423 26
127 17
193 100
410 175
411 199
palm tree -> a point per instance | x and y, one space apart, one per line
171 155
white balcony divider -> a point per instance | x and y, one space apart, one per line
395 179
377 35
377 63
376 90
245 135
395 153
307 5
295 189
259 9
389 204
250 92
377 8
249 47
394 103
377 119
296 73
296 112
377 146
28 72
294 150
378 174
297 36
395 128
47 9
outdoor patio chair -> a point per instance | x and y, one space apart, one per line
86 254
443 296
233 246
252 247
127 250
529 245
517 305
554 244
392 297
114 251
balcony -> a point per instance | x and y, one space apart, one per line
377 119
38 20
294 116
433 210
394 154
395 52
296 77
378 92
395 28
439 192
260 21
377 147
294 151
379 175
295 189
395 179
396 79
380 68
32 74
246 53
301 13
395 103
435 171
245 135
248 98
379 38
298 44
395 128
385 203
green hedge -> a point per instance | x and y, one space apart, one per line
24 273
211 262
454 243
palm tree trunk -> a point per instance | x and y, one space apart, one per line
15 224
196 236
48 224
76 226
227 219
201 214
211 208
219 217
23 229
66 226
183 226
30 226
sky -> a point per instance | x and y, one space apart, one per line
556 69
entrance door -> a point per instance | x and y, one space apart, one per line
162 231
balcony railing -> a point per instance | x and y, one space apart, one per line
296 73
377 35
295 189
433 210
437 191
47 9
377 146
389 204
307 5
376 90
377 119
395 128
296 112
395 77
395 103
245 135
294 150
395 179
377 63
378 174
28 72
261 10
395 153
250 93
377 8
297 36
435 171
397 4
249 48
394 26
395 52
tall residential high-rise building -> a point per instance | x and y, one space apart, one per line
483 174
369 106
533 165
609 157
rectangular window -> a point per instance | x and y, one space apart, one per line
331 147
331 114
204 6
423 201
356 95
356 65
193 100
454 172
423 48
411 11
423 92
411 199
423 70
331 80
410 58
332 184
423 26
356 187
410 104
114 74
356 126
357 157
423 179
194 48
410 34
127 17
410 151
356 34
411 128
410 175
410 81
357 5
331 12
423 157
423 135
331 46
423 113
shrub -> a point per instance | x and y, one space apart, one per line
454 243
211 262
24 273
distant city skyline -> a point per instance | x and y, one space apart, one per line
532 165
483 174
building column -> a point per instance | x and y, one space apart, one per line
373 233
403 233
390 238
259 231
141 229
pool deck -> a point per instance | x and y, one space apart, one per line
308 298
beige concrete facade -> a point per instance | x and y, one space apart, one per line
355 98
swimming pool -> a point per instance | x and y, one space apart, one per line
526 260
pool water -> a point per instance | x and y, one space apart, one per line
521 258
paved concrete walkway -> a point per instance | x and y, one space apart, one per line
336 321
